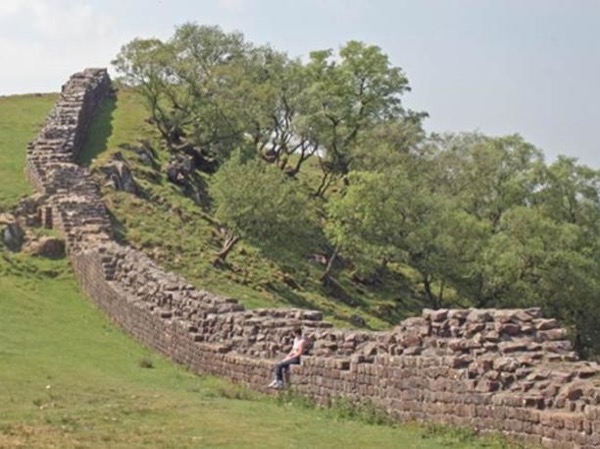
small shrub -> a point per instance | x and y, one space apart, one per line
146 363
231 391
288 397
366 412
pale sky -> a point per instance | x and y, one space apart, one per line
497 66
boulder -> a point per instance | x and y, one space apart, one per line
119 174
6 219
146 154
50 247
179 169
26 210
13 236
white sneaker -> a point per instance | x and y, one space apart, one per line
273 384
279 385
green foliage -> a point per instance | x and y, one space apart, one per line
540 240
176 229
210 92
482 218
187 84
393 216
366 222
353 91
463 219
263 205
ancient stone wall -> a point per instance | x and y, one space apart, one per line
511 371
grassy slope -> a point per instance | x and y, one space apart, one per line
20 118
70 379
181 236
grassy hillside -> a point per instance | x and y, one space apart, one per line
20 118
174 226
70 379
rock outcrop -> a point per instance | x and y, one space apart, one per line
13 235
119 174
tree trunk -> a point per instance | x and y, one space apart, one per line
433 300
441 294
228 245
327 273
325 183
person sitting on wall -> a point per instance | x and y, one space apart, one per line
293 358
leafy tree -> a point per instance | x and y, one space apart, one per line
538 236
210 92
482 216
570 193
485 178
395 217
350 93
183 81
391 143
206 61
257 202
534 260
147 64
273 91
490 175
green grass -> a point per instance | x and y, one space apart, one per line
70 379
20 118
118 121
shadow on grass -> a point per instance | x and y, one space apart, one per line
100 131
119 230
197 189
290 297
336 289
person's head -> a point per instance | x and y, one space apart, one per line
298 332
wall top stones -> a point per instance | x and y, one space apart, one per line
74 199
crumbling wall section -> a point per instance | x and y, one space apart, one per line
495 370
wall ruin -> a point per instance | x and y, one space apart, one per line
511 371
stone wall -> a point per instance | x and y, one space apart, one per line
511 371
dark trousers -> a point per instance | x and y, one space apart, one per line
285 366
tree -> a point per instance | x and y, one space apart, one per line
206 63
273 90
485 178
210 92
537 242
148 65
183 81
571 193
395 216
257 202
390 143
357 90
